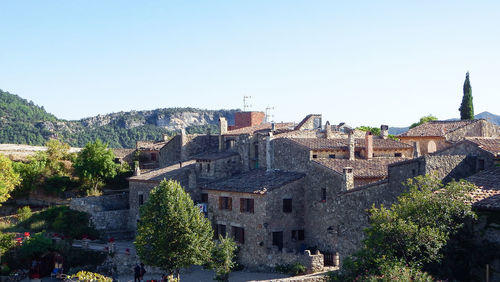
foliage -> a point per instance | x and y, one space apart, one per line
95 163
6 242
56 153
31 174
76 257
223 258
4 269
172 233
466 107
8 178
61 219
374 130
24 213
91 276
291 269
57 184
416 229
35 246
423 120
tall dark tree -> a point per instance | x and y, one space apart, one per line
466 108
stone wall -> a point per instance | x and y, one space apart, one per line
481 128
171 152
185 146
289 156
136 189
219 168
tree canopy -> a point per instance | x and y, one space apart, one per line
172 233
423 120
413 231
9 179
466 107
95 163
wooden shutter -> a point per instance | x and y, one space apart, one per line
242 203
220 203
230 203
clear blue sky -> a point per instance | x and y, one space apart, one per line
361 62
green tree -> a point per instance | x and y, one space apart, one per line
373 130
467 108
56 153
415 229
223 258
9 179
423 120
172 233
95 163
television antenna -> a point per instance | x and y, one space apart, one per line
269 114
246 106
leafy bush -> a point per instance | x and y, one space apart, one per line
24 213
91 276
292 269
34 246
56 184
6 242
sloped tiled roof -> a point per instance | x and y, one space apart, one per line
122 153
436 128
487 195
374 168
491 145
255 128
174 172
255 181
210 156
150 145
342 143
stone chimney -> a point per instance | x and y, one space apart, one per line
273 127
351 145
137 169
347 179
416 149
384 131
269 152
369 145
222 131
328 130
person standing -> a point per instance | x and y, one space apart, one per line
143 271
137 273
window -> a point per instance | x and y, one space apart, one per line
323 194
220 229
225 203
153 156
357 154
208 167
229 144
238 234
298 235
204 197
398 155
278 239
287 205
315 156
141 199
246 205
414 172
331 156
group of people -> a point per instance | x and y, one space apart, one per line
139 272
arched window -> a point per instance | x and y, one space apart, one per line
431 147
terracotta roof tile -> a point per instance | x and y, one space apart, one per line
487 195
342 143
436 128
491 145
150 145
255 181
260 127
375 168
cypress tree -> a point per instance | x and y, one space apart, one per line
466 108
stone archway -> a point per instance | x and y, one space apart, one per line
431 147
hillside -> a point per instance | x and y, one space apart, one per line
23 122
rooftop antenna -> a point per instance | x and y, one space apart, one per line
269 114
246 106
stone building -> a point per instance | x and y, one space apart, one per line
148 153
184 146
436 135
263 210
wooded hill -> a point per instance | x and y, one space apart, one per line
23 122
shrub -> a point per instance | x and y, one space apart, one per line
91 276
24 213
292 269
56 184
36 245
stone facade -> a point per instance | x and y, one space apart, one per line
184 146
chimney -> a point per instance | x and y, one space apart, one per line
347 179
137 169
416 149
384 131
369 145
328 130
222 131
165 137
269 151
351 145
273 127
